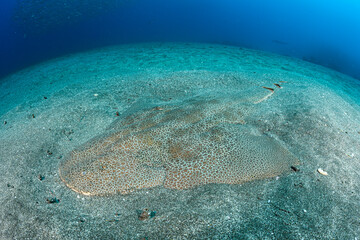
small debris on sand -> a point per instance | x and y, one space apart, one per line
144 214
322 172
41 177
52 200
45 97
117 114
113 220
152 214
33 115
95 95
298 185
5 122
271 89
159 108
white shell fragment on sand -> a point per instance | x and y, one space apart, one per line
322 172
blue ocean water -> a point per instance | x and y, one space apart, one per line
323 32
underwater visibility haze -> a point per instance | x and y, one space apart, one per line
134 119
324 32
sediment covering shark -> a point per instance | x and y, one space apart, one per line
198 141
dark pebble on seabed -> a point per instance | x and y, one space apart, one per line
33 115
45 97
5 122
295 169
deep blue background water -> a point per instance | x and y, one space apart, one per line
324 32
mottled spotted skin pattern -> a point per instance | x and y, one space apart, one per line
179 146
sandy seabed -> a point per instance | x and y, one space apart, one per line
48 110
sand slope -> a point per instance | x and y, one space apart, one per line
56 107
